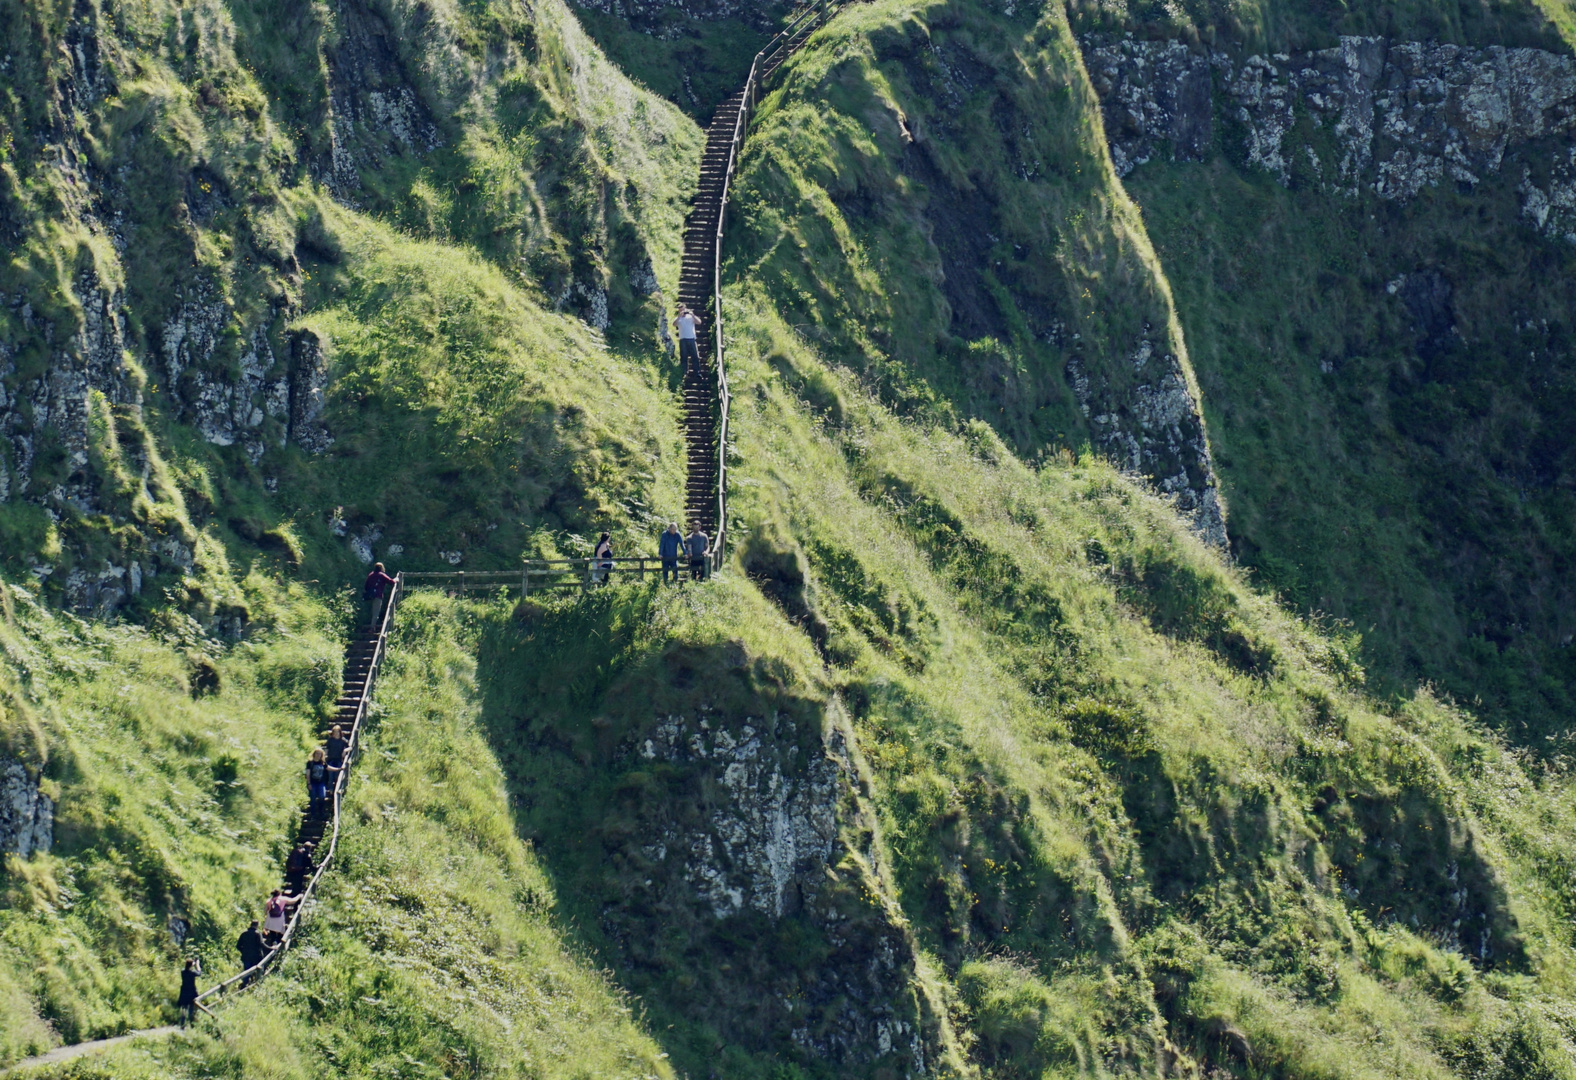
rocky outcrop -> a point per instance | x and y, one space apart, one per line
225 407
1153 429
376 115
27 815
763 825
1386 117
308 379
769 841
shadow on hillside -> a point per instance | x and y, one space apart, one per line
569 694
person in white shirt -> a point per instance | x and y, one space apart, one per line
689 350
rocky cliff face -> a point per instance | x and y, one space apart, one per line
27 815
75 382
1371 115
1153 428
767 838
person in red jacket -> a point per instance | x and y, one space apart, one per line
374 592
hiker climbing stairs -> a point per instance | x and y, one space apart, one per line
705 415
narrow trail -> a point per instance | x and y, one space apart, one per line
706 397
76 1050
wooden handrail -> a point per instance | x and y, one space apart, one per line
784 40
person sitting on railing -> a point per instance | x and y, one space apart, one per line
689 350
373 591
699 545
276 915
669 547
319 774
601 559
250 946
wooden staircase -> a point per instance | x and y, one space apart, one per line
364 655
705 414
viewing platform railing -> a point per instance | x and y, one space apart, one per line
546 575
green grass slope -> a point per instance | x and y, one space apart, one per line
1280 26
928 194
1131 808
1421 494
174 765
1076 798
435 949
221 236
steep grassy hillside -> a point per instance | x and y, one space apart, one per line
695 55
1413 479
183 294
929 195
980 759
1383 345
1284 25
435 949
173 765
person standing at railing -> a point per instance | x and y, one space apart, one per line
250 946
669 547
686 324
373 592
187 1001
699 545
601 559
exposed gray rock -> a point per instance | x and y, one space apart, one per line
1402 115
776 829
1551 204
1153 429
308 378
376 115
779 833
249 406
27 815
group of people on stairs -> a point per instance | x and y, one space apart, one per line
326 761
672 548
323 765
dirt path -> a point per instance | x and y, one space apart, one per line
66 1053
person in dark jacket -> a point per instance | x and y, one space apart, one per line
318 778
334 747
297 866
373 591
187 1002
668 549
699 545
250 946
